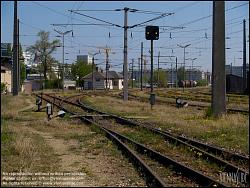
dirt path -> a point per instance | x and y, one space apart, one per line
101 166
69 161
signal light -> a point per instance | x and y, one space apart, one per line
152 32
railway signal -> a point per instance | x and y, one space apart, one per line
152 33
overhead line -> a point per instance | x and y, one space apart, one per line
95 18
153 19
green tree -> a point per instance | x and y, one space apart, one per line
9 50
22 65
80 69
43 49
163 76
145 79
180 73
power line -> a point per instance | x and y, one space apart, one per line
98 10
153 19
95 18
202 18
55 11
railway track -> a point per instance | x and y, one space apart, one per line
172 103
151 178
207 151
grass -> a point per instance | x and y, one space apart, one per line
27 145
21 150
230 131
195 94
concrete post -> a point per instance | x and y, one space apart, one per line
141 62
125 66
244 57
15 55
218 60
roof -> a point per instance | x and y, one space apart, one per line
111 75
4 68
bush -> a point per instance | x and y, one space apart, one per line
3 87
53 84
201 82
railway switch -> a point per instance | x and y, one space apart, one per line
152 98
38 103
49 110
61 114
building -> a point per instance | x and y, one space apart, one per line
85 58
6 66
5 50
28 59
190 74
69 83
234 84
114 80
6 77
36 81
236 70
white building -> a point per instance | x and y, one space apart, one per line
28 59
114 80
85 58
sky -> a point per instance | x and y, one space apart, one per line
190 23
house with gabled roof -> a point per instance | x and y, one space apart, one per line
114 80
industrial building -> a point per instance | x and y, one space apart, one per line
84 58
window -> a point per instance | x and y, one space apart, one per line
97 79
115 83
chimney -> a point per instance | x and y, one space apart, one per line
96 69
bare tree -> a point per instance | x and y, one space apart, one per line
43 48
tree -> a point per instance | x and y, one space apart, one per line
9 50
79 70
43 48
22 65
162 78
180 73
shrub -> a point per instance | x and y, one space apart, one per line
3 87
201 82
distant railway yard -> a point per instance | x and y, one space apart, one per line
117 143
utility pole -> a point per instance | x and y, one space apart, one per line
184 47
172 79
132 73
141 62
244 56
139 65
176 73
93 63
18 60
218 60
107 68
62 66
192 59
125 66
15 55
63 33
158 69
